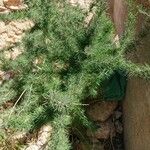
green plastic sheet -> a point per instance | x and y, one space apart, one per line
115 87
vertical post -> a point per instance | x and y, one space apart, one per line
136 106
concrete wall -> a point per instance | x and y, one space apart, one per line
136 107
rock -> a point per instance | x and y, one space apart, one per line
20 7
44 134
2 27
1 123
105 131
22 25
13 32
3 42
87 146
117 114
7 6
88 19
119 127
116 41
19 137
4 10
43 137
83 4
13 54
1 3
8 3
4 76
8 104
101 111
1 73
33 147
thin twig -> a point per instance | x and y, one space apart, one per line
144 13
27 102
16 103
76 104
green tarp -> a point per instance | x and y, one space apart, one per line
115 87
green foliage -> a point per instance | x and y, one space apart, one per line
74 62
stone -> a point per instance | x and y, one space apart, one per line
8 104
1 123
20 7
44 134
32 147
101 110
42 139
119 127
87 146
83 4
116 41
3 40
2 27
13 54
117 115
1 3
105 131
1 74
19 137
88 19
13 32
4 10
12 2
21 25
8 75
